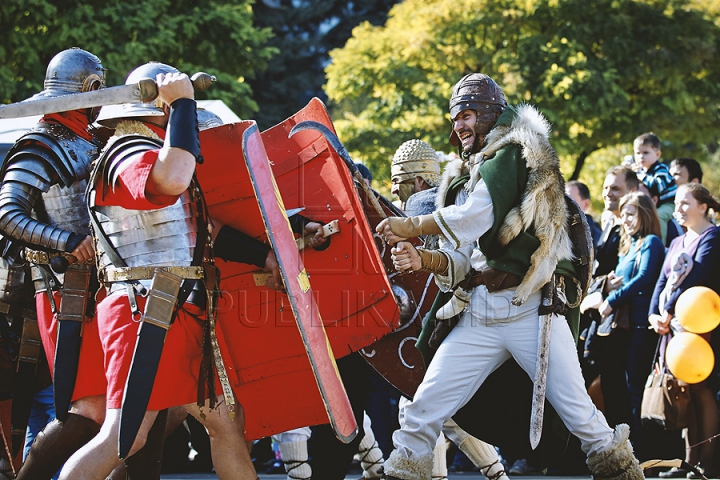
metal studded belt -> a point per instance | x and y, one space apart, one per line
125 274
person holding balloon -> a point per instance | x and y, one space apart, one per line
691 261
626 353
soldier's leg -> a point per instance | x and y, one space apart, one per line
99 457
458 369
609 453
439 470
293 446
231 457
483 455
147 462
59 440
369 453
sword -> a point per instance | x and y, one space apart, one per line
146 90
67 358
541 366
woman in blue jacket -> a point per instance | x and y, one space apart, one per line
626 355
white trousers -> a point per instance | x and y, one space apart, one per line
491 331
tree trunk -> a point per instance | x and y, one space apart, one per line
579 163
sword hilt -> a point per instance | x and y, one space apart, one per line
149 89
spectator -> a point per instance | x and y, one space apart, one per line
655 174
672 226
626 354
579 192
699 251
618 182
686 170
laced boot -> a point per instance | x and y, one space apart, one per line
295 458
54 445
370 456
485 457
439 469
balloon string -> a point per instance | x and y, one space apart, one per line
710 439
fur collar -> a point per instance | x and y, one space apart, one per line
130 127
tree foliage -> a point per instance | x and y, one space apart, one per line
304 33
214 36
603 71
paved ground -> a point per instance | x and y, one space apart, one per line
452 476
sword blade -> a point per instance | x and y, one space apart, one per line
74 101
138 388
67 357
541 370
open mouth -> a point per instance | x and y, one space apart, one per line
466 137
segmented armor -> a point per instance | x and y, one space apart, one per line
143 238
42 201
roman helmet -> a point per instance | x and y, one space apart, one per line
73 71
111 116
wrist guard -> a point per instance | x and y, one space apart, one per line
182 128
434 261
234 246
409 227
73 241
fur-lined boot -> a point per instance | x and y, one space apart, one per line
617 462
400 467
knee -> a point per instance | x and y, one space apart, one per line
90 407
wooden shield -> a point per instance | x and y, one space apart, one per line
351 298
394 356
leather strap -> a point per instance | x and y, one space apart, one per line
495 280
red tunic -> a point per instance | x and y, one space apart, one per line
90 375
176 381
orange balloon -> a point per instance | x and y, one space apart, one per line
689 357
698 309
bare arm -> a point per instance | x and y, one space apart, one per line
175 166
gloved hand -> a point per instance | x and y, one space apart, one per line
397 229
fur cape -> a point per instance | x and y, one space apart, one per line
543 202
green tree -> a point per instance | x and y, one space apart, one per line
602 71
214 36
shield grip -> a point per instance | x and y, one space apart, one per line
162 299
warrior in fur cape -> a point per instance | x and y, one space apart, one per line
543 201
510 223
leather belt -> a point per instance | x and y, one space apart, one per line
125 274
493 279
41 257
